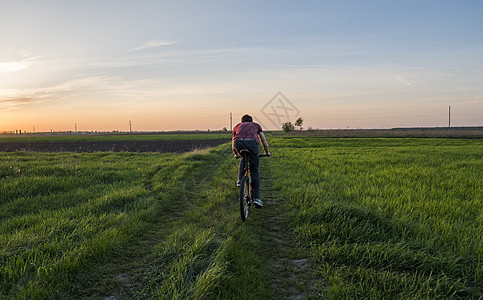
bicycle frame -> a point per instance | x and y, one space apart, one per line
245 211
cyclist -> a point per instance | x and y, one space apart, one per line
247 135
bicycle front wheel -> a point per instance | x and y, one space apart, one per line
244 198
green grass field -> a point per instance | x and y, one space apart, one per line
387 218
375 218
63 214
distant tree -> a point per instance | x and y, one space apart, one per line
288 126
299 122
225 129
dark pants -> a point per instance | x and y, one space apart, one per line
253 158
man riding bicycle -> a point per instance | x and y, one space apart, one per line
247 135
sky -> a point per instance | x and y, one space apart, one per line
186 65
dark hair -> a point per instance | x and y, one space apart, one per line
247 118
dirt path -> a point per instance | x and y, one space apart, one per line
128 274
292 275
291 272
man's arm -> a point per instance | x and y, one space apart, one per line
264 143
237 155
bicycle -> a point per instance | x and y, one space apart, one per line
245 196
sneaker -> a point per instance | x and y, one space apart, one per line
238 183
258 203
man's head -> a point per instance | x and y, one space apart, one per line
247 118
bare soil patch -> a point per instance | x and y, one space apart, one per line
433 132
163 146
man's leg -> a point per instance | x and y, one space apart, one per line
254 162
252 146
239 145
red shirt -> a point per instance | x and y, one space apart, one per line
247 130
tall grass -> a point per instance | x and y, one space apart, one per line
63 214
210 254
382 218
387 218
66 217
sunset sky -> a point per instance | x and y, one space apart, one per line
184 65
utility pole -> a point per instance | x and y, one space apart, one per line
130 126
76 127
449 117
231 122
34 128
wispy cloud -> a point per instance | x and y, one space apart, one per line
152 44
14 66
404 81
476 100
17 65
15 98
14 102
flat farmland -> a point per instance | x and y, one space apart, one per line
344 218
164 143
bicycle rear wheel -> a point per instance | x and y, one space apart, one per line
244 198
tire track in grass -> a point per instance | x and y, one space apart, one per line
288 275
292 272
126 275
179 209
